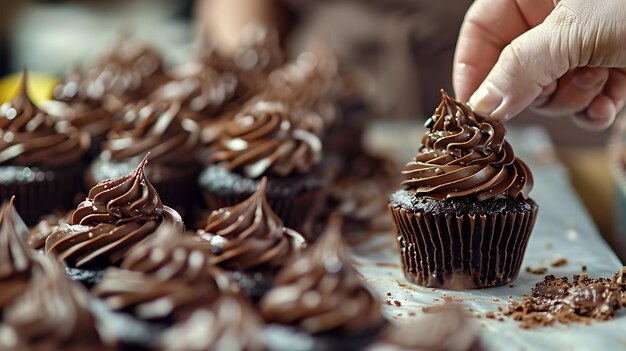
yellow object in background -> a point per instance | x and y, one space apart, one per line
39 87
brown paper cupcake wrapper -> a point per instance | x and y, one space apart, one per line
462 251
296 210
44 192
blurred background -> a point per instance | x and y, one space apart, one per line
403 47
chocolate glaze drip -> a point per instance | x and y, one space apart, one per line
30 137
466 154
164 277
157 128
321 292
52 315
230 323
249 235
268 137
16 259
117 214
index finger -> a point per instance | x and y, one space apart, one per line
488 27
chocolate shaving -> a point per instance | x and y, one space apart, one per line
559 262
556 300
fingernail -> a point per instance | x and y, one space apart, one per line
587 80
595 115
484 101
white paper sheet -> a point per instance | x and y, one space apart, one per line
563 229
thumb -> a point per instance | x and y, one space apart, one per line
528 64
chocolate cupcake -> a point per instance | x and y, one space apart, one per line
250 241
40 159
463 217
17 261
321 294
173 142
229 323
89 110
118 214
163 279
53 314
268 139
130 71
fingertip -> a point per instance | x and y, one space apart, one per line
599 115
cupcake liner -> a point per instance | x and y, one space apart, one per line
296 208
39 191
461 251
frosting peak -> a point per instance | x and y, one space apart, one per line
466 154
269 137
250 235
16 259
52 315
124 199
321 292
30 137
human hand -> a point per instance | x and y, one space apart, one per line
563 57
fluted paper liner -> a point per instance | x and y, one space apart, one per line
462 251
48 190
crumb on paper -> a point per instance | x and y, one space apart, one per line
549 246
559 262
557 300
388 293
511 285
397 303
496 300
411 313
536 270
571 234
583 268
490 315
388 302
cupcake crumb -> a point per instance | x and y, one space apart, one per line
490 315
571 235
511 285
559 262
388 293
397 303
388 302
412 314
496 300
537 270
583 268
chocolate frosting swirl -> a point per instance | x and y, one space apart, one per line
118 214
466 154
204 92
230 323
16 259
130 71
321 292
157 128
52 315
30 137
250 236
164 277
268 137
48 224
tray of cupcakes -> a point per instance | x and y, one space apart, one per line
228 205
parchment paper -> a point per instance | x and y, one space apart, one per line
563 229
